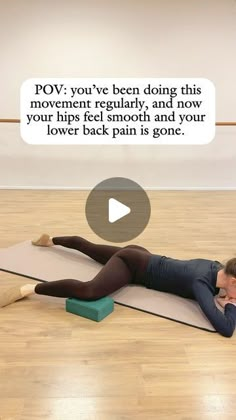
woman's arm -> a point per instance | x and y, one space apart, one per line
224 323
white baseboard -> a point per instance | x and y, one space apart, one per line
26 187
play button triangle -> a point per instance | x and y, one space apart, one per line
116 210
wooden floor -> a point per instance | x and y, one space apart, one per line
132 365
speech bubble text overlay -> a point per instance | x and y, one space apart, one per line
86 111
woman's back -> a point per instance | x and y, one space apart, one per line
178 276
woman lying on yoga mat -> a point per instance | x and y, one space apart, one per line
197 279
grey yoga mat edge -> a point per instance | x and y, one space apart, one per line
119 303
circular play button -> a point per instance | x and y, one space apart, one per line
118 209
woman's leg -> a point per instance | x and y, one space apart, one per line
99 253
124 267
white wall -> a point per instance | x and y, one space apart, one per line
128 38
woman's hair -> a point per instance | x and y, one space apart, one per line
230 267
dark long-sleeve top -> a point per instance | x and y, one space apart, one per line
193 279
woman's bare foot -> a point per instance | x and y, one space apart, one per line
44 240
10 296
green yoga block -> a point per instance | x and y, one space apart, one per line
95 309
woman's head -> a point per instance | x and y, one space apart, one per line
230 278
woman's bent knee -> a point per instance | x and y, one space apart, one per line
85 291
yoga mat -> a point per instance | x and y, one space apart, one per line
56 263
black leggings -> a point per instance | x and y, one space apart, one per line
121 267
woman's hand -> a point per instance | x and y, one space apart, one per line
224 300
